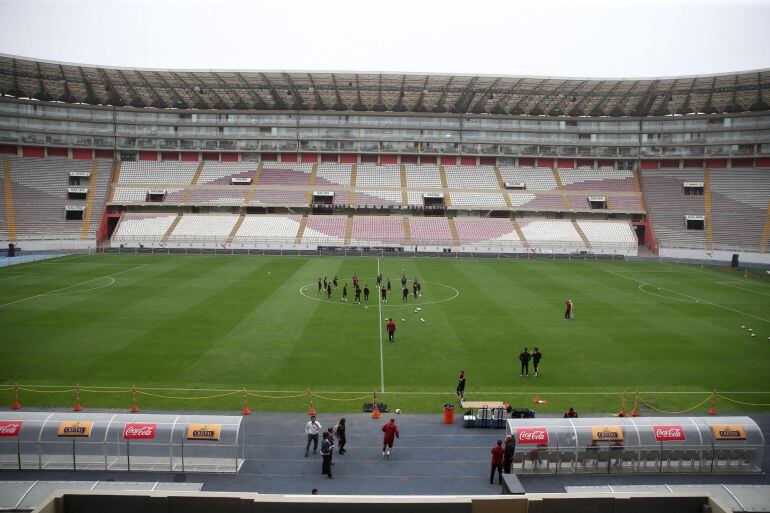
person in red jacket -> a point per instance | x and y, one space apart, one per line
497 463
391 330
391 433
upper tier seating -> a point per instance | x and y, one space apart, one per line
667 206
536 179
529 201
268 229
285 198
377 229
142 228
221 173
471 230
203 228
40 195
426 231
378 198
471 177
603 179
329 230
625 203
424 176
165 172
739 202
372 175
477 199
217 197
285 174
128 195
330 174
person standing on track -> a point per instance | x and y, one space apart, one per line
497 463
326 453
311 429
536 356
461 386
391 433
524 358
510 448
568 312
391 330
341 436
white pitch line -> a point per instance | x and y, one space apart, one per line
53 292
733 285
693 298
379 330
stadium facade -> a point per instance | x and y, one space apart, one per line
304 160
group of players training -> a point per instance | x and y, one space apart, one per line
329 285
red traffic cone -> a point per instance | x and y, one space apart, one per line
376 412
536 400
16 405
78 406
712 409
134 407
246 410
635 409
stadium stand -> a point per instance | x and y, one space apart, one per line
667 206
332 174
610 234
429 231
206 229
739 202
471 177
387 230
524 200
552 235
142 228
488 231
535 179
328 230
285 174
478 199
370 175
171 173
267 229
216 173
425 176
602 179
277 197
378 198
217 196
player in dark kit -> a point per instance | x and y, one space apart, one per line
366 292
379 280
405 294
358 295
524 359
403 280
384 294
326 282
329 291
345 292
334 281
319 285
536 356
389 289
419 287
414 289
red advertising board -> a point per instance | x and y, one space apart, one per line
139 431
532 436
668 433
10 427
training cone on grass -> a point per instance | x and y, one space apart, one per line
134 407
712 409
78 406
540 401
246 410
311 410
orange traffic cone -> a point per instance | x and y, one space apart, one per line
78 406
536 400
134 407
635 409
712 409
622 412
376 412
16 405
311 410
246 410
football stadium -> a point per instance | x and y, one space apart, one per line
211 271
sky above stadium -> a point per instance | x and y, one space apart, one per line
593 38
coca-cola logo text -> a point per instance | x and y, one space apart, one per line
139 431
668 433
10 428
532 436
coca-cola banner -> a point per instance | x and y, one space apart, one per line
532 436
10 427
668 433
728 432
141 431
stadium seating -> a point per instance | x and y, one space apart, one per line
285 174
615 234
331 174
212 228
426 231
378 198
256 229
425 176
625 203
124 195
165 172
486 230
535 179
471 177
527 201
667 206
327 230
142 228
277 197
478 199
552 234
230 196
386 230
602 179
371 175
221 173
739 202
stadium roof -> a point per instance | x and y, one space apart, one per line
383 92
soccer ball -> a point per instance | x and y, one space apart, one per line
398 411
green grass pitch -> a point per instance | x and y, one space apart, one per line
166 322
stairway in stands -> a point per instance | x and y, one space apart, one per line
9 212
89 201
301 229
171 228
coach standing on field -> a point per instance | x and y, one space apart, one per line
311 429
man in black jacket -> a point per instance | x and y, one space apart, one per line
536 356
524 358
326 453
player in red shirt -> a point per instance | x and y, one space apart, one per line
497 463
568 312
391 330
391 433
